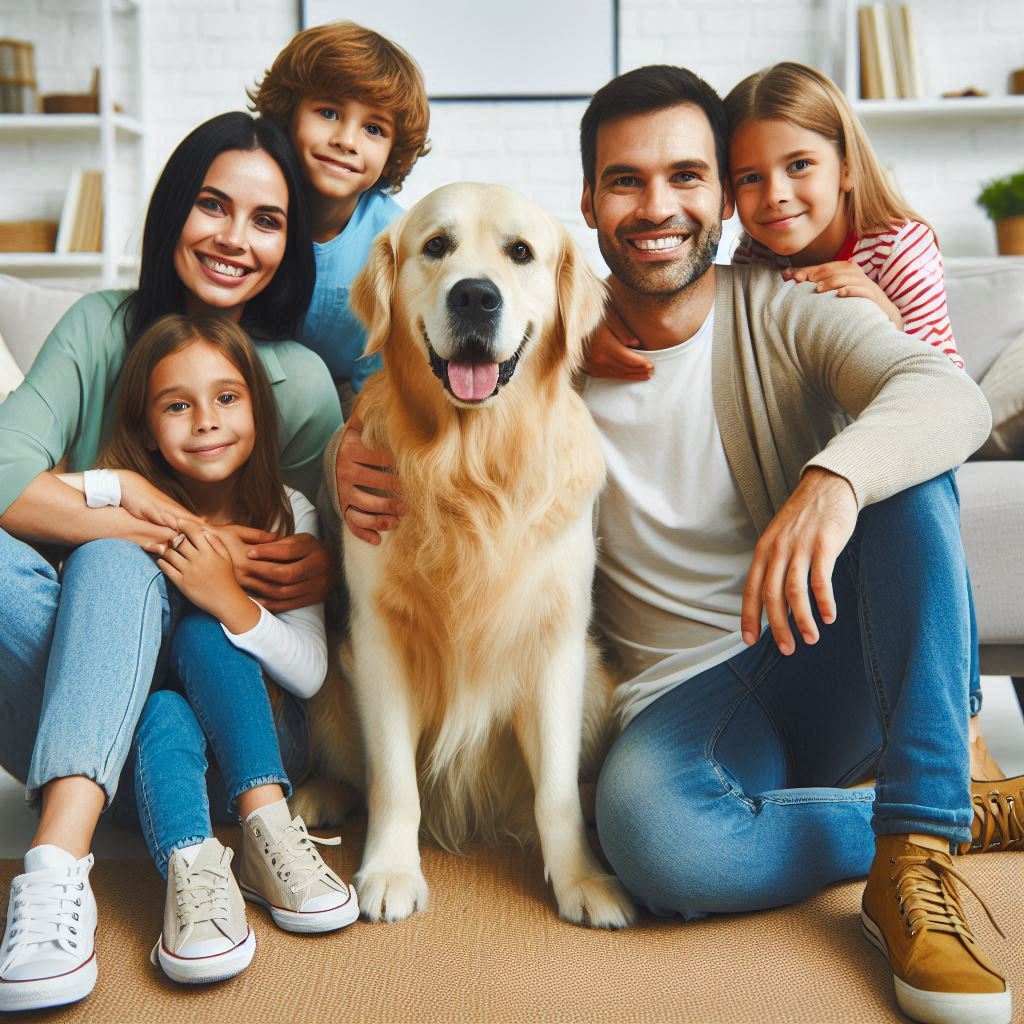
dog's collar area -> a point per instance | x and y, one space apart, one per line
506 370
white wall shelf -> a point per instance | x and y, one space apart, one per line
58 262
989 108
113 142
15 126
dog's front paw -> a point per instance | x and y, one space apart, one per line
391 894
599 901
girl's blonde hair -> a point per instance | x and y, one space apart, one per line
810 100
261 500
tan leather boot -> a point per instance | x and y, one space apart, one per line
998 816
911 911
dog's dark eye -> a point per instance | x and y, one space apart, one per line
520 252
436 246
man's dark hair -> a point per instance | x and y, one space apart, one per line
643 91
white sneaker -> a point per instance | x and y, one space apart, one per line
48 956
282 871
206 936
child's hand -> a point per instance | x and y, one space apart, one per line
199 565
845 278
144 501
612 354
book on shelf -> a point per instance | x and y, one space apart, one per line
81 218
17 77
890 62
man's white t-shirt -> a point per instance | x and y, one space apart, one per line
675 540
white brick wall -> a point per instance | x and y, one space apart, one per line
203 53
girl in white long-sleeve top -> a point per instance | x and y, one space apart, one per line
197 422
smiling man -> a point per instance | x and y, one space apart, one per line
787 457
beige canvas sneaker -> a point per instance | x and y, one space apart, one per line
206 936
912 912
283 871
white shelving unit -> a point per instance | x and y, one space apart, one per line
110 132
952 109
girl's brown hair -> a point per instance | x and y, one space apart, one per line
810 100
343 60
261 500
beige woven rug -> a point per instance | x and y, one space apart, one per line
491 948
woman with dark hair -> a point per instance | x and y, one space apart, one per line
226 234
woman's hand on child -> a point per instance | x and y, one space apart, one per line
281 572
369 492
612 351
198 563
846 279
144 501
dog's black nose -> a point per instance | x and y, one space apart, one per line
475 300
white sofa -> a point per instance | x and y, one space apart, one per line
986 303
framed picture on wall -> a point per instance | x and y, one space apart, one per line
528 49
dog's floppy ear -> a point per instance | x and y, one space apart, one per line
372 290
581 299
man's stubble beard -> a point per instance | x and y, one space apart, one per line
663 281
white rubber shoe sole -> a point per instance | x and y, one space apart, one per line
205 969
308 922
942 1007
38 994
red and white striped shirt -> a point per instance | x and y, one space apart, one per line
905 263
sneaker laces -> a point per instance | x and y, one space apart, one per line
202 896
46 906
1000 824
293 853
928 898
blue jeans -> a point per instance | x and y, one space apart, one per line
78 654
225 702
726 794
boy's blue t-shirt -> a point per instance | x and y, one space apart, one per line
329 327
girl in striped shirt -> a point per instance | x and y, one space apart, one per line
815 202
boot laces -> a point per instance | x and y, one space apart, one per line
46 908
296 860
1000 822
928 899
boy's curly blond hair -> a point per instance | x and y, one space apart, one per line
341 60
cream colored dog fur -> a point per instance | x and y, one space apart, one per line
468 664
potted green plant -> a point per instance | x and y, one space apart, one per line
1003 201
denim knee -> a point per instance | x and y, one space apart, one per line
661 832
99 555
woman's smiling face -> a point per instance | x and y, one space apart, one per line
235 236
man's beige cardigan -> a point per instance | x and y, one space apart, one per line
804 379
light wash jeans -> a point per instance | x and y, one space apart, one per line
726 794
224 701
78 655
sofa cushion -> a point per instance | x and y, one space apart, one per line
10 374
1003 386
28 312
992 527
986 308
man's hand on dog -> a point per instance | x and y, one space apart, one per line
281 573
803 540
613 351
368 490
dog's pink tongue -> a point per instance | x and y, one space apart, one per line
473 381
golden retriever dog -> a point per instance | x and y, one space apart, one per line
468 663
